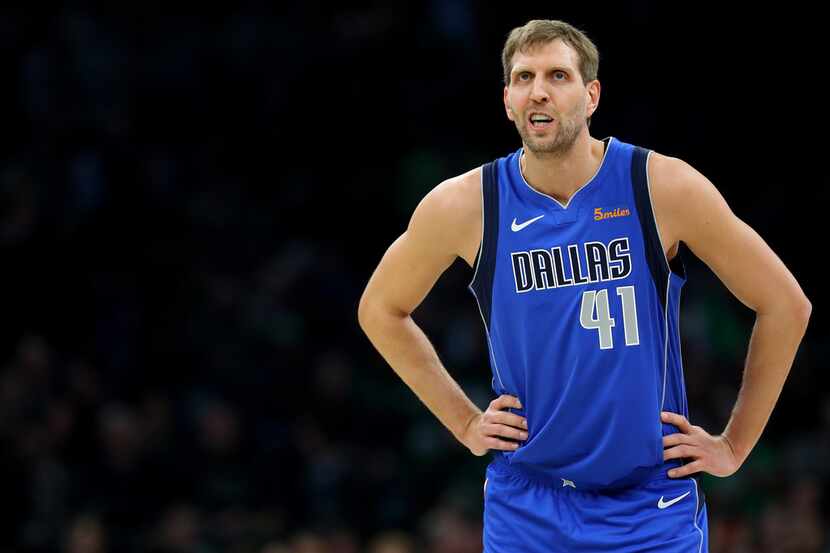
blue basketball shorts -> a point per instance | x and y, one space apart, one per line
525 514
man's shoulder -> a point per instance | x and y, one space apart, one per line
670 176
677 191
463 187
450 214
456 196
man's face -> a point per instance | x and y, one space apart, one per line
547 99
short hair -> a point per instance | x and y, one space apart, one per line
538 32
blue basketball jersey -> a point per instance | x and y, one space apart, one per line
580 308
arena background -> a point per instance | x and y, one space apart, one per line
192 205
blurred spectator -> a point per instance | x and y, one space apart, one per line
391 542
308 542
447 530
86 535
180 531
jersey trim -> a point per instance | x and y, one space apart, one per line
699 502
658 267
607 148
676 264
482 287
482 282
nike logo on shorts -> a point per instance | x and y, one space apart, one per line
663 504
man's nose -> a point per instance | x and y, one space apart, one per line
539 93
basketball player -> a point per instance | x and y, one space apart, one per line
575 246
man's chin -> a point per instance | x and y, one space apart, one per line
552 144
544 146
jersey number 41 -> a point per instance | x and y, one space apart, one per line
596 301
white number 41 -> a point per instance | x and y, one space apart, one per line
598 300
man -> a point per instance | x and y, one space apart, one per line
575 244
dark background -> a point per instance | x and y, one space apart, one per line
190 207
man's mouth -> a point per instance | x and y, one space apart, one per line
540 121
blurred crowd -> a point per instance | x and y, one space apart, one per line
182 369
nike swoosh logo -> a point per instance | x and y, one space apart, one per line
663 504
516 228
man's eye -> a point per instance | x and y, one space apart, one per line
524 76
558 74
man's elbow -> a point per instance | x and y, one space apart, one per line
804 310
368 311
373 311
799 311
795 310
364 311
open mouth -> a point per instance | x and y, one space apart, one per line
540 121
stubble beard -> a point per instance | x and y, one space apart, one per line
565 135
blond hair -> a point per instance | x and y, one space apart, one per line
542 31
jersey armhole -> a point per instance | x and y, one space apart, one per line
677 264
659 266
475 261
481 284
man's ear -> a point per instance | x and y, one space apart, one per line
507 107
593 91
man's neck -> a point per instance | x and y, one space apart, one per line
561 176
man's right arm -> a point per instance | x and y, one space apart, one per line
442 226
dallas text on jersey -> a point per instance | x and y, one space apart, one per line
544 269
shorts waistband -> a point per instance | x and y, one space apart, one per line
638 476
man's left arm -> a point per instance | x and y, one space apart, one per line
696 213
